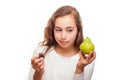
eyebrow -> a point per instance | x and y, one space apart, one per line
66 27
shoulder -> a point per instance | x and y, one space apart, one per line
39 49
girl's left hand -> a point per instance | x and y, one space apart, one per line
84 60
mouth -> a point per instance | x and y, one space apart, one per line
63 42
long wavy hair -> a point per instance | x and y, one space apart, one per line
49 39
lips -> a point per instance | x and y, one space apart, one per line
63 42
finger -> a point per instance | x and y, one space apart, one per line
36 61
33 59
41 58
40 66
90 55
94 56
82 56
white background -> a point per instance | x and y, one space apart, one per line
21 28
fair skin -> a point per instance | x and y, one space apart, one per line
65 32
37 64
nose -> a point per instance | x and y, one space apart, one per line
63 35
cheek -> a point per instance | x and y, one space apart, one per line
72 37
56 36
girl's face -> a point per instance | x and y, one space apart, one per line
65 31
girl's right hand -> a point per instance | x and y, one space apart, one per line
38 64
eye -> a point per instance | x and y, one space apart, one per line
58 30
70 30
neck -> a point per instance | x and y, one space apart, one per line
66 52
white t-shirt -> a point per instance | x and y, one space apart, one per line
61 68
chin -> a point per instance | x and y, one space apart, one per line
64 46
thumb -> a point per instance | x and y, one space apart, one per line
82 55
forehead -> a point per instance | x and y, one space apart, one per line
65 21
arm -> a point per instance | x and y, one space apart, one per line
89 71
37 68
86 74
38 65
85 66
37 76
33 74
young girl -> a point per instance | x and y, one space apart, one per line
63 59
